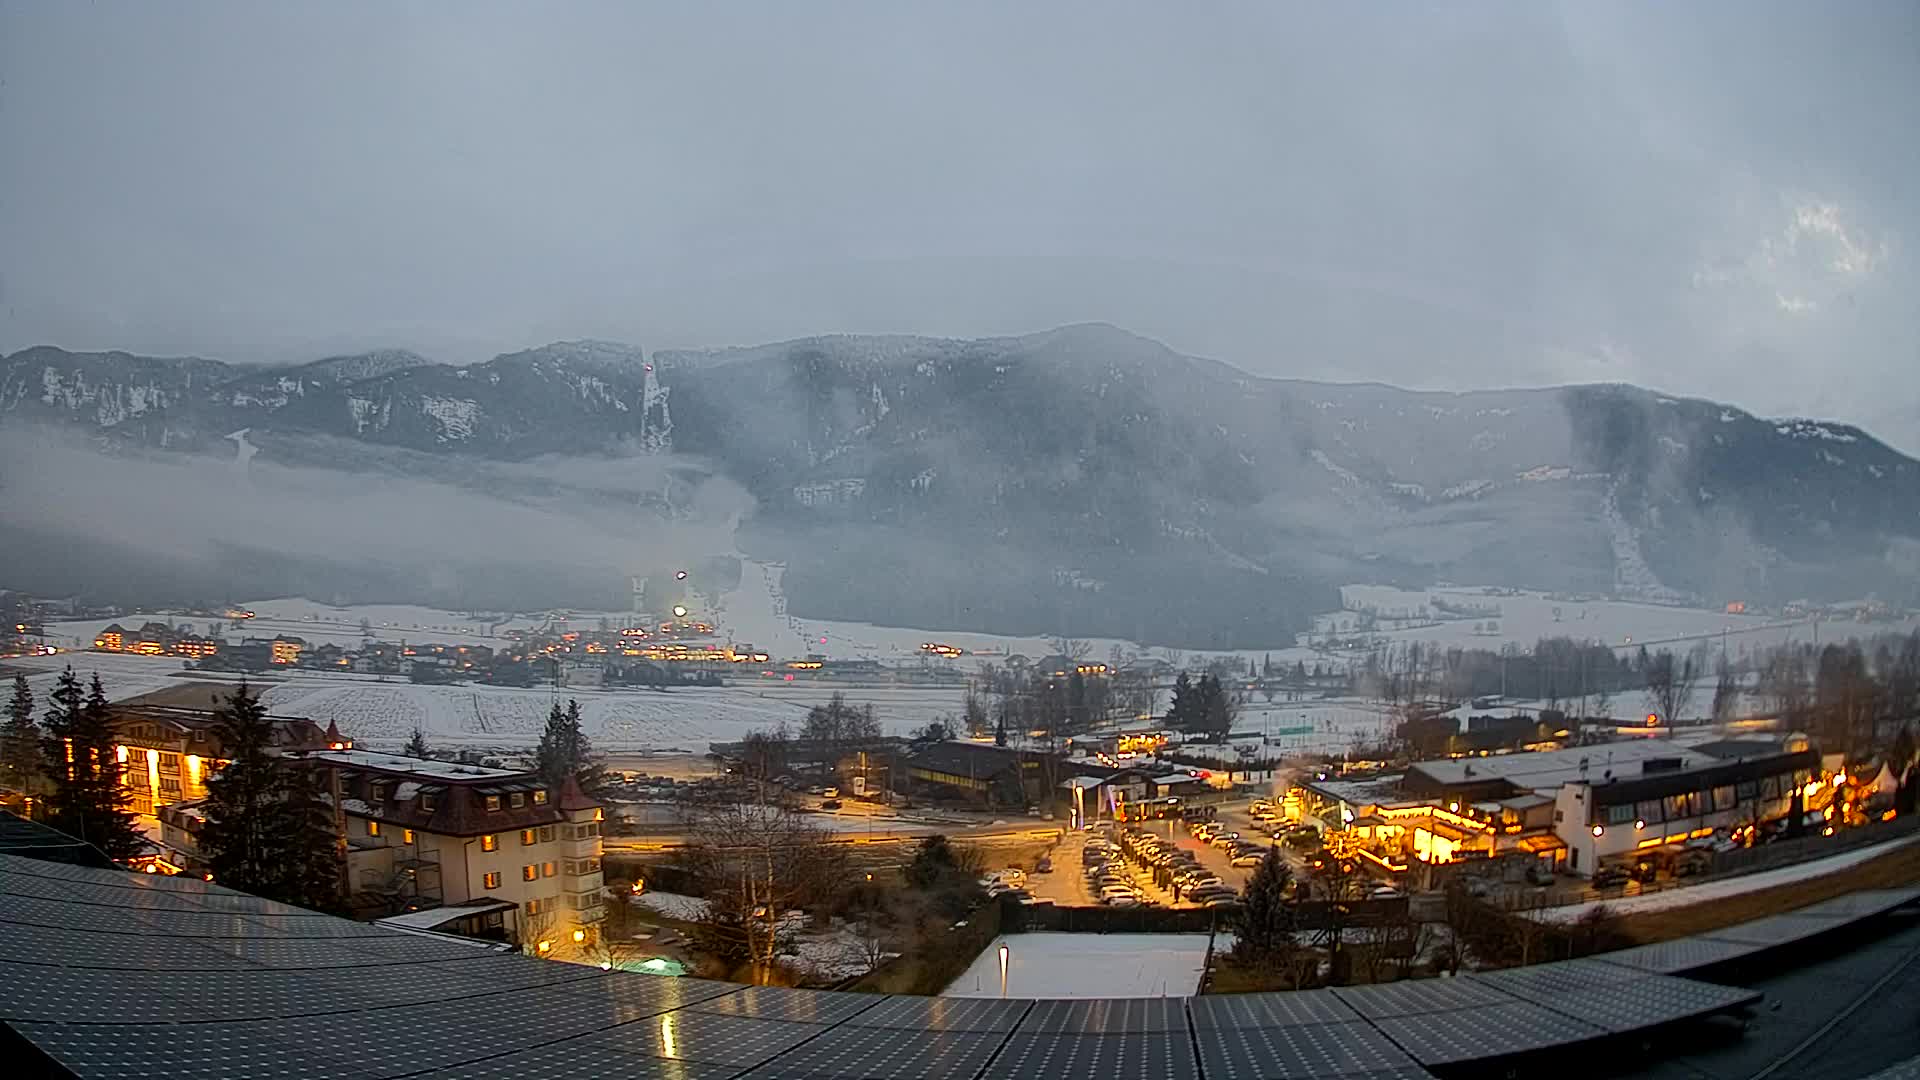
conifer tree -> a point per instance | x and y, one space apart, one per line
268 831
566 751
86 797
21 767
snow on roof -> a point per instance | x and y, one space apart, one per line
407 791
1369 792
1549 769
421 767
440 916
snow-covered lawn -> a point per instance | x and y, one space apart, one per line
673 905
1051 965
122 676
1710 891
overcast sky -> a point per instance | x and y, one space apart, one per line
1713 199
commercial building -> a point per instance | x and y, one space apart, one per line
1578 808
520 860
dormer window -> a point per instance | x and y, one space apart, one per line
493 803
518 800
427 801
540 797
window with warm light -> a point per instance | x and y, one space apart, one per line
373 827
528 837
406 836
529 872
493 802
491 881
489 842
548 869
540 797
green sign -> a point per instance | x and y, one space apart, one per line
1303 729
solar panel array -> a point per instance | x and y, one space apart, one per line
112 974
1749 938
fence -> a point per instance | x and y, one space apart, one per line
932 964
1726 864
1113 920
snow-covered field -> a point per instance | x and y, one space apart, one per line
1528 617
121 676
384 713
1049 965
685 718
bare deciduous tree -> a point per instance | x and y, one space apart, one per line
752 863
1669 685
1070 647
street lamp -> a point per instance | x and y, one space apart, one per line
1003 968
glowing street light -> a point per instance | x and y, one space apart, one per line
679 575
1003 968
679 611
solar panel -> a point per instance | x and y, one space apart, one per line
130 975
1166 1054
713 1038
943 1014
1110 1016
1420 996
84 996
779 1003
1269 1010
1566 977
1484 1032
67 947
1777 929
576 1059
631 996
1298 1050
1862 904
882 1054
132 1051
1646 1001
1680 955
94 918
395 1042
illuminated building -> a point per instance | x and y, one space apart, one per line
425 834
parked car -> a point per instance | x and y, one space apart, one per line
1044 865
1608 877
1692 864
830 804
1246 859
1539 873
1384 892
